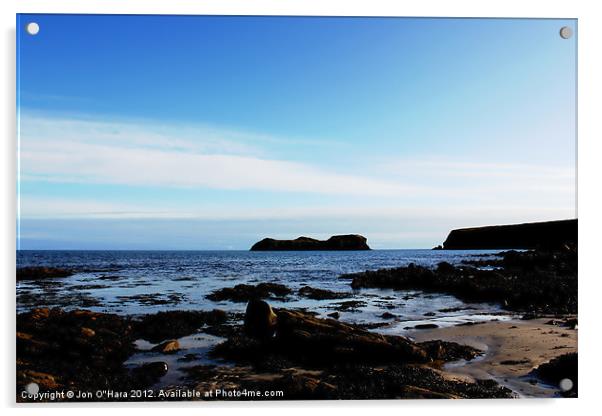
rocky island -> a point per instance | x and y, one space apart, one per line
336 242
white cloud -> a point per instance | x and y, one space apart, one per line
62 149
83 151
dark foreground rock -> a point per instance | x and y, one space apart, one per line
558 369
244 293
73 350
550 235
85 351
532 281
337 242
36 273
312 358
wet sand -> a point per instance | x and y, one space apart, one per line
512 350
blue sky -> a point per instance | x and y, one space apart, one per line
191 132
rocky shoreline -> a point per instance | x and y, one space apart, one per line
532 281
303 356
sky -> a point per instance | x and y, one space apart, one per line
212 132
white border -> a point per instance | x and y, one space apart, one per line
589 154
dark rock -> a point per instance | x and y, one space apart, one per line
260 319
311 358
350 305
148 374
550 234
388 315
244 293
35 273
78 349
320 340
321 294
559 368
449 351
426 326
175 324
533 281
334 315
337 242
514 362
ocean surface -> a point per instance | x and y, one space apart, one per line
139 282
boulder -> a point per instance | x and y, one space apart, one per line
260 319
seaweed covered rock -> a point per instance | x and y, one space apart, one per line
245 293
534 281
36 273
76 349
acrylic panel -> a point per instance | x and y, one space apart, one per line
295 208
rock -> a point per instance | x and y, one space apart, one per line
36 273
533 281
550 234
334 315
426 326
388 315
175 324
83 350
350 305
312 358
148 374
449 351
321 294
244 293
337 242
559 368
260 320
167 347
320 339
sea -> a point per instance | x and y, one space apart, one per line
142 282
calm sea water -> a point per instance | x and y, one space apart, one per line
135 282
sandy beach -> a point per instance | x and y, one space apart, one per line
512 350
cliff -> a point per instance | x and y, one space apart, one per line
550 234
337 242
